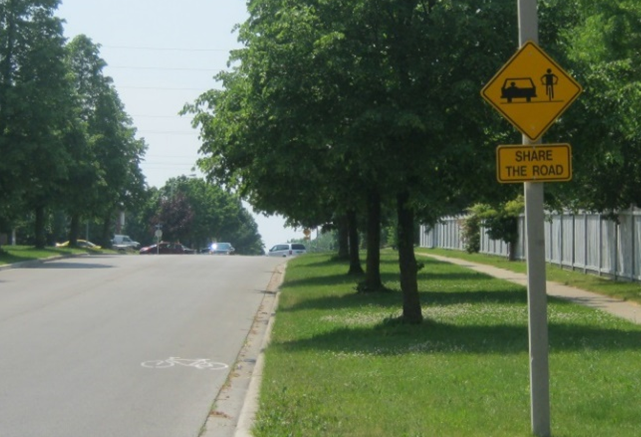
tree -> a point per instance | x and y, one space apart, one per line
371 93
599 41
500 222
471 228
197 213
35 107
104 176
85 179
176 217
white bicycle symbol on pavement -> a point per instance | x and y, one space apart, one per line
198 363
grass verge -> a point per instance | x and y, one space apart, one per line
16 254
338 365
625 290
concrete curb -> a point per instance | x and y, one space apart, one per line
620 308
250 407
236 404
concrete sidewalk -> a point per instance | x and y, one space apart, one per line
627 310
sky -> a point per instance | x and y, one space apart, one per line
161 55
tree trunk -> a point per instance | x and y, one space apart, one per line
511 251
354 257
41 238
74 230
6 66
343 237
105 237
407 261
373 268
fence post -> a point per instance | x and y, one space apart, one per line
573 240
616 249
561 224
633 223
600 233
585 243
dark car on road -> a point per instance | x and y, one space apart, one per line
518 88
166 248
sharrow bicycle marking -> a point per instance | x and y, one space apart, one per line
198 363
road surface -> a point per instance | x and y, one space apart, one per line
88 345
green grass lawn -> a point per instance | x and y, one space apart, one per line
339 365
621 289
15 254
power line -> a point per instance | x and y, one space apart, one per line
156 116
159 88
125 67
167 132
167 49
163 156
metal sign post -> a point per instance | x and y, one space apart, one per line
158 235
531 91
537 299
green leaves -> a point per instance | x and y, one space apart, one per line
197 212
602 42
34 106
65 140
108 175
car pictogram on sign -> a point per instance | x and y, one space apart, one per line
518 88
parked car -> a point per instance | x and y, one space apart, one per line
287 249
165 247
221 249
120 241
80 243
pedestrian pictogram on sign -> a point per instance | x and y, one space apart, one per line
531 91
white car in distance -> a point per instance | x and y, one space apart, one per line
287 249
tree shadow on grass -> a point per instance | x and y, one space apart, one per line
435 338
468 275
353 299
322 281
499 297
388 337
13 258
326 262
394 299
424 277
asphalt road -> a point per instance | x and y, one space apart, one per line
85 342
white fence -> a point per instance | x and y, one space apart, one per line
588 242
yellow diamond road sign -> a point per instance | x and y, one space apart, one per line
534 163
531 91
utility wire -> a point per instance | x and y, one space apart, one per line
166 49
159 88
167 132
126 67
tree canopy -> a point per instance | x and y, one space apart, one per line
336 101
66 142
197 213
600 42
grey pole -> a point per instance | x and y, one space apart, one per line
537 310
537 299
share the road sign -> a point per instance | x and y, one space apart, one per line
531 91
534 163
